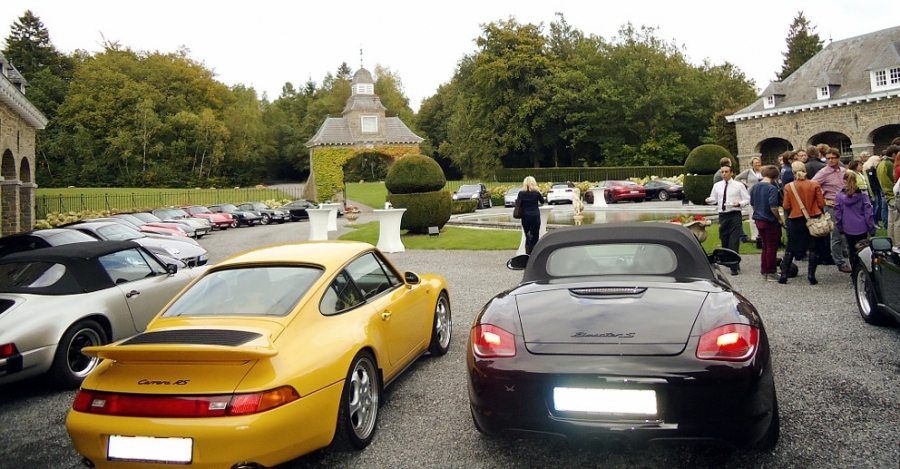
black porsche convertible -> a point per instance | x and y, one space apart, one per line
876 271
623 333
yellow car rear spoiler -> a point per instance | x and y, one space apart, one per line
180 352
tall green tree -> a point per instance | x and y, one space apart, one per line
802 44
48 72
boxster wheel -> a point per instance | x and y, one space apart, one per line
865 297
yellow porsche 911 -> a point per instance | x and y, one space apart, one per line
269 355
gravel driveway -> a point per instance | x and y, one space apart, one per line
838 383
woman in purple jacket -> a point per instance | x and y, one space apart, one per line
853 213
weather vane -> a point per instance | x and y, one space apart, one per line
360 57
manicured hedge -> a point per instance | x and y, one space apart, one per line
423 209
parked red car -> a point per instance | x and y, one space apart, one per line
221 221
618 190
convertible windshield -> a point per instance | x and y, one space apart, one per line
611 259
249 291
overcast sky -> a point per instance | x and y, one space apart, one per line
265 44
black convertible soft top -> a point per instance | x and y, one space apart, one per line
84 273
692 259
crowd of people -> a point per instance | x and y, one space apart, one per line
858 198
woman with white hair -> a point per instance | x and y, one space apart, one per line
750 177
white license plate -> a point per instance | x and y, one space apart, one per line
605 401
634 192
150 449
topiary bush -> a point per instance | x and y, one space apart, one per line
413 174
701 164
705 159
423 209
415 182
463 206
697 187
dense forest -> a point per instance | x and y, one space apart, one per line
525 97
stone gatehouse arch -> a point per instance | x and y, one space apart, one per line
833 139
362 128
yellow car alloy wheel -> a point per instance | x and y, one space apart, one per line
359 404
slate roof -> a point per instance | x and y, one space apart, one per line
334 131
12 94
845 65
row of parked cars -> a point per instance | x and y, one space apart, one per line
101 279
616 191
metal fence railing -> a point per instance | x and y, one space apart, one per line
136 201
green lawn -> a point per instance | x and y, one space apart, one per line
451 238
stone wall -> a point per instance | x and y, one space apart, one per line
856 121
17 142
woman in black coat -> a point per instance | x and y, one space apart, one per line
530 198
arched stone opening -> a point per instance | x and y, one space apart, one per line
771 149
882 136
834 140
26 196
9 195
367 166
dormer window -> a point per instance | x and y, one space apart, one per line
887 78
824 92
769 102
369 124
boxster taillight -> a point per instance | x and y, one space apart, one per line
732 342
489 341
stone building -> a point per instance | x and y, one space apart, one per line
19 120
362 128
847 95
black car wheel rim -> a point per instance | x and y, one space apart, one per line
79 364
663 195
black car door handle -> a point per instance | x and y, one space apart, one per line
132 293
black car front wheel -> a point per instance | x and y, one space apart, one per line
265 220
865 297
235 223
663 196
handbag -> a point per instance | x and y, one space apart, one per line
517 212
819 226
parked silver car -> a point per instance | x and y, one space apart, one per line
57 300
182 250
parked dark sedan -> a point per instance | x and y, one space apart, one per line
269 214
474 192
298 209
241 217
876 274
663 190
623 332
37 239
